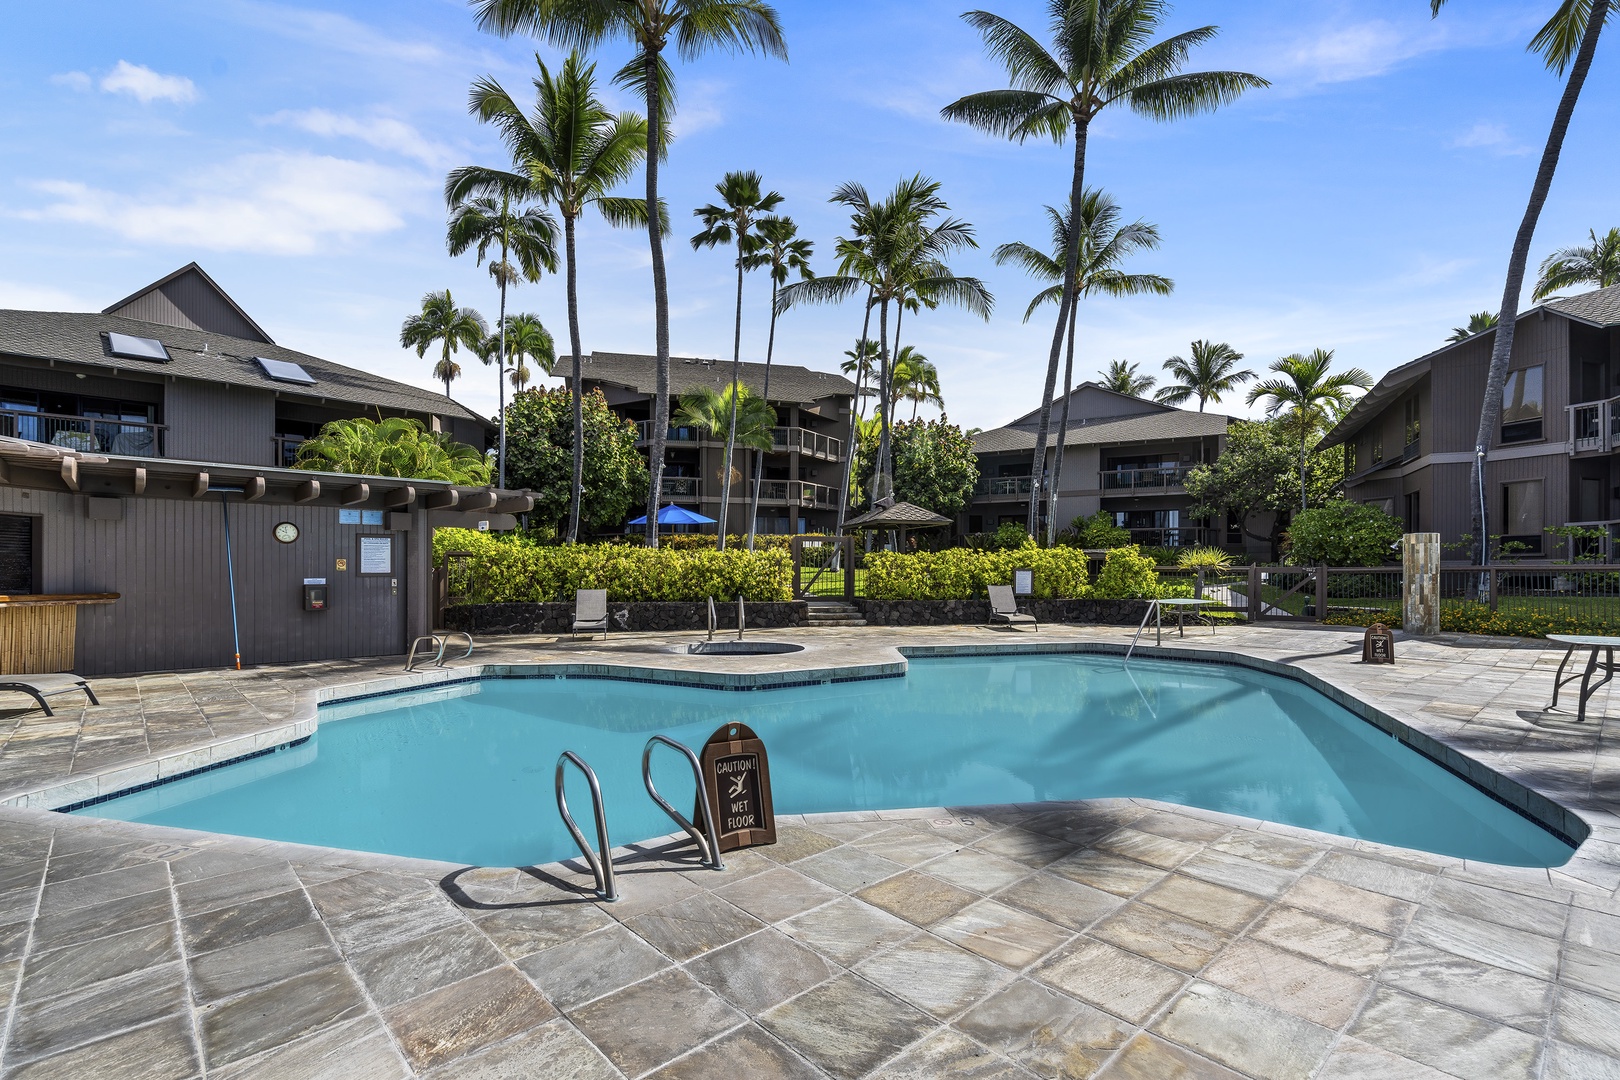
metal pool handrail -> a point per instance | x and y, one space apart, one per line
601 867
443 642
742 617
708 847
713 619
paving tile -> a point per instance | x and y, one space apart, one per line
1565 1062
977 871
848 868
652 1022
1375 875
1160 851
99 888
228 890
917 898
521 930
1259 878
1061 901
848 930
261 961
1267 848
397 972
846 1026
78 966
1149 1058
276 1014
1213 905
356 1049
398 920
1031 848
1353 1059
55 1024
693 926
934 975
1180 827
1243 1034
794 842
947 1053
466 1016
1501 906
1590 969
907 846
85 923
1501 995
224 927
1446 1039
1114 980
1012 938
1158 935
760 971
163 1051
1334 943
554 1049
1588 1020
1110 873
1045 1031
746 1052
1489 943
595 965
1284 980
776 894
1595 930
1375 911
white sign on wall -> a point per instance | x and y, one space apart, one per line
376 554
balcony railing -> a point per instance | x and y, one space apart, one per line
808 442
679 487
673 434
1178 537
87 433
1157 479
1002 487
799 492
1594 426
284 450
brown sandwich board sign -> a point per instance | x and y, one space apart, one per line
1378 645
737 777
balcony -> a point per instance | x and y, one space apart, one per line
1594 426
672 435
1162 478
87 433
807 442
1003 487
679 487
799 493
1176 537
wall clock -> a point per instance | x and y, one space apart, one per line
286 532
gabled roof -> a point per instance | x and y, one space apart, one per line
1391 386
1600 307
190 298
640 373
74 337
1122 405
899 515
1146 427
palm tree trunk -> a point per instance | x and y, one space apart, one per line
447 364
1490 412
576 495
500 378
1063 430
731 423
882 478
1303 434
854 418
899 318
655 240
759 455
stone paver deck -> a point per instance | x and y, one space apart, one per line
1118 938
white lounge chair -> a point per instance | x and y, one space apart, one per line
590 612
1004 609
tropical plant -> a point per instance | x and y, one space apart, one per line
934 464
570 152
1102 54
392 446
916 380
743 202
1597 264
735 408
782 252
451 327
1309 394
540 443
1477 324
1204 558
1127 574
1104 244
650 26
1122 378
861 360
1343 533
527 233
1098 532
527 339
1258 473
1568 40
1212 371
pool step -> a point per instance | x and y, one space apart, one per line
835 613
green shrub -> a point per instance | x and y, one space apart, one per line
1009 536
1127 574
1343 533
963 573
1205 558
1099 532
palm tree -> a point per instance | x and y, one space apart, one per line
1567 40
570 152
1102 55
736 410
1122 378
1477 324
916 380
742 204
528 339
392 446
1212 371
861 359
451 327
782 252
1309 394
527 232
1597 265
695 27
1104 244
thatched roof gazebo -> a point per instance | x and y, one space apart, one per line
900 516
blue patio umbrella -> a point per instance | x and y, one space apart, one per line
675 515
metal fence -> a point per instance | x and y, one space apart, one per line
1525 597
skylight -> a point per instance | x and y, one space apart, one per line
137 348
285 371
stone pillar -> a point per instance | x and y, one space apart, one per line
1420 583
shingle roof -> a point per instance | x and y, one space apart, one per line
640 373
75 337
1601 307
904 514
1149 427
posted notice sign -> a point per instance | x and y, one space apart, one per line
738 778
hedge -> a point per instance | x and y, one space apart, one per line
1059 574
511 569
1473 617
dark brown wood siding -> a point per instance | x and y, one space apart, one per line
216 422
189 301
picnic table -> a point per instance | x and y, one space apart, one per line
1595 644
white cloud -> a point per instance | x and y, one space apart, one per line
27 296
698 108
382 132
328 30
1491 137
147 86
273 203
73 80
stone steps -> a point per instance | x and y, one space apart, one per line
834 613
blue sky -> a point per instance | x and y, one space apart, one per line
1365 203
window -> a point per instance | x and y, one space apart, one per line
1521 405
1412 516
285 371
1522 517
1377 446
1413 424
18 539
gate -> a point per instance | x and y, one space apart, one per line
823 566
1285 594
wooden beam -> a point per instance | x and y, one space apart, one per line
70 473
359 493
478 500
5 473
442 500
514 504
400 498
199 486
253 490
139 477
308 491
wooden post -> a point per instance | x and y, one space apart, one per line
1256 604
1420 583
1321 593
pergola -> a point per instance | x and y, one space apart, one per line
900 516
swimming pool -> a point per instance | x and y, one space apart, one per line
465 773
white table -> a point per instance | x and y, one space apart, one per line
1155 611
1596 644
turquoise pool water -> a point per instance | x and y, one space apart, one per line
465 773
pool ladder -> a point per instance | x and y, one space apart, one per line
438 642
601 860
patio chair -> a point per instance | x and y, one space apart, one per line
590 612
40 687
1004 609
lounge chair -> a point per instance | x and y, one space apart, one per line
590 612
40 687
1004 609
